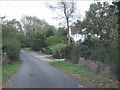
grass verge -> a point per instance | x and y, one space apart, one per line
0 78
84 74
8 71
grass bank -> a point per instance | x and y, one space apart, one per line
0 78
8 71
84 74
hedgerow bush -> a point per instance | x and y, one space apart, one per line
12 47
58 50
52 40
38 43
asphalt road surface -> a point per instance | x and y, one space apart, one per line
36 73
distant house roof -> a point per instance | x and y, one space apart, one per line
75 30
77 34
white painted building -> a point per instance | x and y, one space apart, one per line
76 34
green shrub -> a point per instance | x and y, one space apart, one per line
72 53
38 43
62 31
103 51
35 45
57 50
68 50
46 50
52 40
49 33
12 47
75 53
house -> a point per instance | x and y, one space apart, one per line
77 34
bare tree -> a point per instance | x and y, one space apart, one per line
68 12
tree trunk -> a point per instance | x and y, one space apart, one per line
68 31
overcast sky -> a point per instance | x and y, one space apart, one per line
16 9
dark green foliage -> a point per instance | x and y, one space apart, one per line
22 39
38 43
75 55
49 33
62 31
12 47
46 50
56 55
56 45
11 33
56 39
68 50
72 52
101 19
58 50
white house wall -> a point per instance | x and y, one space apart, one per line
77 37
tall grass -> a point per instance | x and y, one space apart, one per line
8 72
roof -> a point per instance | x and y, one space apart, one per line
75 30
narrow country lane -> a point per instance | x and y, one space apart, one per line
36 73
